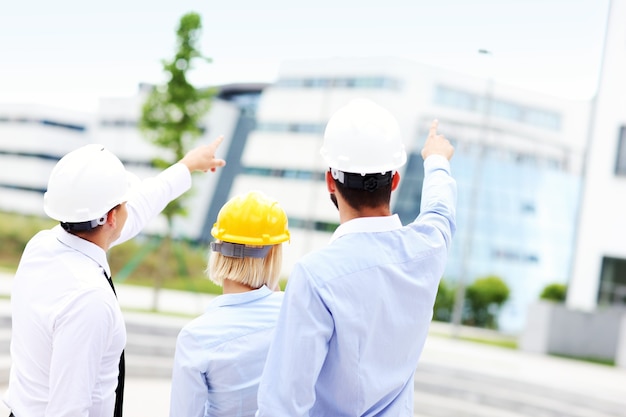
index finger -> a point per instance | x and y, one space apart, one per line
433 127
217 141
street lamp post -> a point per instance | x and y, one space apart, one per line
459 297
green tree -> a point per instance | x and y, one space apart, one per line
554 292
173 111
171 119
484 298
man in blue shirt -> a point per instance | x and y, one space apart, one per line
356 313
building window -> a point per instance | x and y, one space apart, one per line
276 127
373 82
464 100
620 165
612 289
296 174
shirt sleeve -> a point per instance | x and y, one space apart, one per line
150 198
297 353
439 193
82 337
189 392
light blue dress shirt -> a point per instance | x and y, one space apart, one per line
220 355
356 313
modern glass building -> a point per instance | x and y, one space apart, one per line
517 163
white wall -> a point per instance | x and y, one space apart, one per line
602 224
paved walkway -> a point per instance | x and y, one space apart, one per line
455 378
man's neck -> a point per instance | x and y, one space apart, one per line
347 213
96 237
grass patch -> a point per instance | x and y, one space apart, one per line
15 231
143 261
504 343
597 361
161 313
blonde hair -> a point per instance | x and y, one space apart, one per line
254 272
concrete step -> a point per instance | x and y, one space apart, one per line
5 340
150 345
5 368
148 366
448 392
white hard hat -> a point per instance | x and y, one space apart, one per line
363 138
85 184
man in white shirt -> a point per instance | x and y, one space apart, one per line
68 332
356 313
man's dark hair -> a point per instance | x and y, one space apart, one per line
364 196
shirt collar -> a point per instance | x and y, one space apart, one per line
239 298
90 250
367 225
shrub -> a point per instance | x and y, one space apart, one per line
444 303
484 297
554 292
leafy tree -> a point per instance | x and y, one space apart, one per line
554 292
170 119
484 298
172 112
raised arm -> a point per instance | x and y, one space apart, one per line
438 206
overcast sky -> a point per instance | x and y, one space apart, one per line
71 52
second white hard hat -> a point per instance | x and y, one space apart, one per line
363 137
85 184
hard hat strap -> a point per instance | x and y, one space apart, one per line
237 250
368 182
83 226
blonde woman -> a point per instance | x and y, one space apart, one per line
220 355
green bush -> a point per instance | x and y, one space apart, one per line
444 303
554 292
484 297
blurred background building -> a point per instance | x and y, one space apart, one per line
518 162
599 265
34 138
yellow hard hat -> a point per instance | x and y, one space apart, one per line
251 219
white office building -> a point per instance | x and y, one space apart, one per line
599 265
518 161
34 138
518 164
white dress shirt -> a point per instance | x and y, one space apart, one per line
68 331
356 313
220 355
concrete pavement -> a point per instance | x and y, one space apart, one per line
455 378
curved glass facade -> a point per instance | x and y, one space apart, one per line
515 219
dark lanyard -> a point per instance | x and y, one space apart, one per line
119 391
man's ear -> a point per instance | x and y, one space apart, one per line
395 181
330 183
112 217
